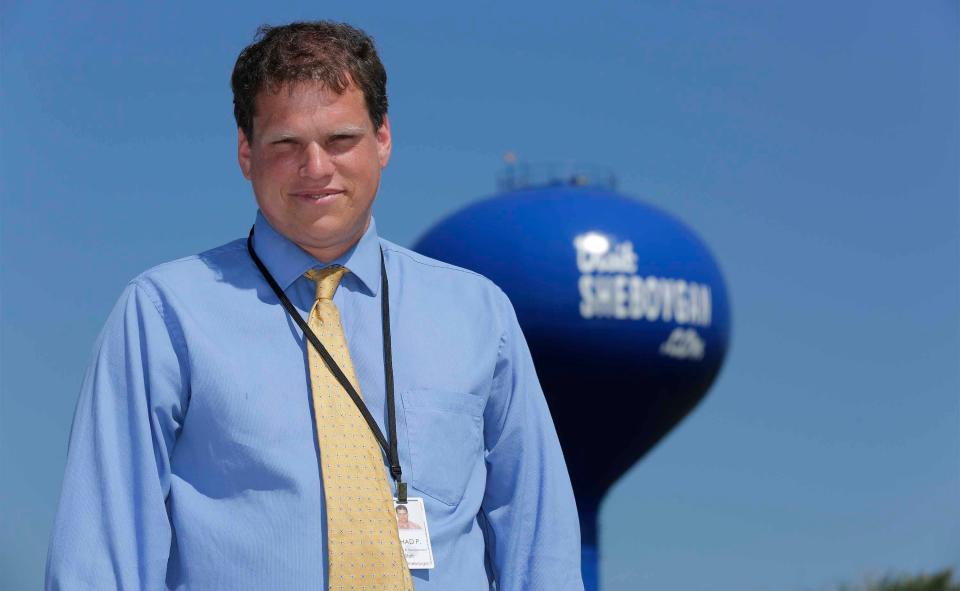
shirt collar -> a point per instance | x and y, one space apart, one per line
287 262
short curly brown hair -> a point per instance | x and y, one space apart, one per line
334 54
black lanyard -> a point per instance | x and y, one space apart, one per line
391 448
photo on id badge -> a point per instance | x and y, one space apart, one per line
414 535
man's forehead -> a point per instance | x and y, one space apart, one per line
304 92
279 104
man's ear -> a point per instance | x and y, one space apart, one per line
384 141
243 153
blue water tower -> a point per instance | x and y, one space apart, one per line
623 306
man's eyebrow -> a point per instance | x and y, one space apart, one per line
283 134
349 130
276 136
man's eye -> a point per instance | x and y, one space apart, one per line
284 142
342 142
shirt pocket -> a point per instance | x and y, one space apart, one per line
445 442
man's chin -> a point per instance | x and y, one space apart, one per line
326 244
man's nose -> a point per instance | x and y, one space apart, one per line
317 162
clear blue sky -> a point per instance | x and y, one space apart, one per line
813 145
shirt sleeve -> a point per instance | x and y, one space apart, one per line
112 529
533 532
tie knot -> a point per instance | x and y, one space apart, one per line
327 280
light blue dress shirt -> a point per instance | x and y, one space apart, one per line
193 463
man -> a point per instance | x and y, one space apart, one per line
202 456
403 519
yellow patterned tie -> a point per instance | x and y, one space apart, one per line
362 538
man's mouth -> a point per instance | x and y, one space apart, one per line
318 196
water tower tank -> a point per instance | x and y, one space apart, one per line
623 306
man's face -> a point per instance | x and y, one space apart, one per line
314 163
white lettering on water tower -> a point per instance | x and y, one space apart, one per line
610 287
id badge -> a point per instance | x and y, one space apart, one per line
414 534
